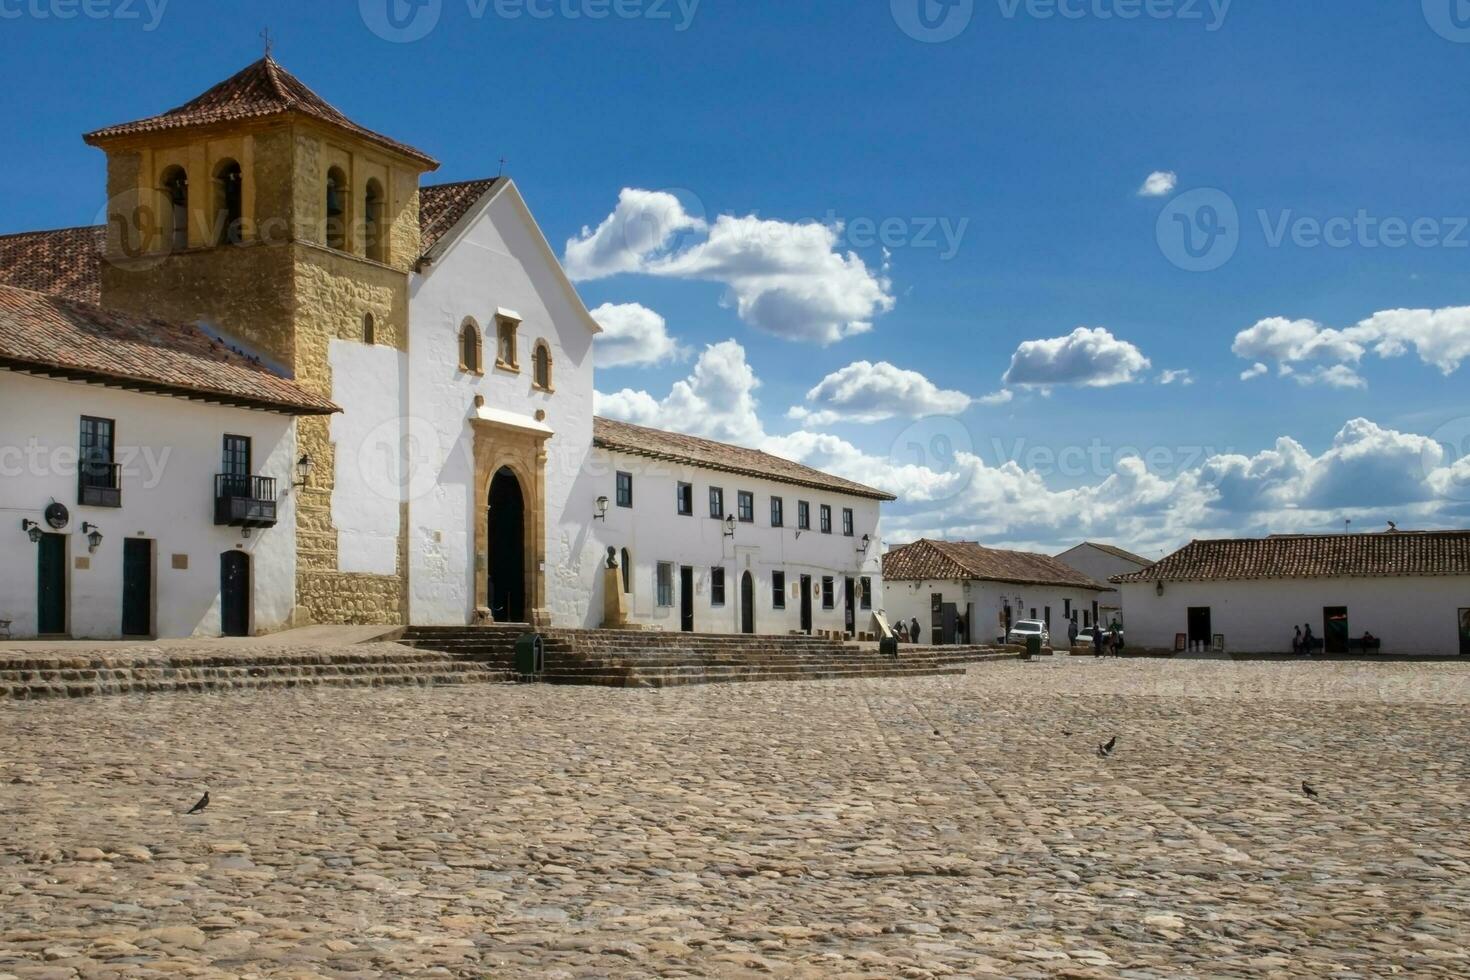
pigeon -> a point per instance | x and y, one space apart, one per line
1106 749
936 731
1307 788
203 802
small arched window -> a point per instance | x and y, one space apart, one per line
627 572
228 212
374 241
541 366
469 347
175 209
368 329
337 209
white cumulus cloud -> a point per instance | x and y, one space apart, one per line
1091 358
1181 377
1441 338
1160 183
867 392
787 279
716 401
632 336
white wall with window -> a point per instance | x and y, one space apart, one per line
987 606
707 530
150 485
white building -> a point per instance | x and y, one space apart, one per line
462 476
944 583
1409 589
1101 562
146 471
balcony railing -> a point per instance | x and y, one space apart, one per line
241 500
99 484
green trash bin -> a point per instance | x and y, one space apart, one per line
530 655
1033 647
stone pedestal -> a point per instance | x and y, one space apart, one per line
614 600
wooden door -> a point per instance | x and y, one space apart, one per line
51 585
137 612
234 593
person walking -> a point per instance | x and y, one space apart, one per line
914 630
1097 641
1072 634
1308 641
1115 637
1296 643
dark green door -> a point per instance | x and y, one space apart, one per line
51 585
137 616
1335 629
234 593
1465 632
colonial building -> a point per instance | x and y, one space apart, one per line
1101 562
1409 589
960 587
439 370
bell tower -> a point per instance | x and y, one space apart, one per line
261 212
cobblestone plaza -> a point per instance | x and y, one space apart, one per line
945 826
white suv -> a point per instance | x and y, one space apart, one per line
1027 628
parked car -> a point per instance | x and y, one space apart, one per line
1027 628
1087 635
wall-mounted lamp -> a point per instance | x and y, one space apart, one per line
1159 588
304 466
730 526
31 529
601 514
94 536
867 540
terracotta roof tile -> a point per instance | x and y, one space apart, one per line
258 91
66 262
637 440
1314 556
442 205
55 336
929 560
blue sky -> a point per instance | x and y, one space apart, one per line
1006 164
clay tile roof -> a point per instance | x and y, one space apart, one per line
1313 556
928 560
637 440
259 91
58 337
442 205
1117 552
66 262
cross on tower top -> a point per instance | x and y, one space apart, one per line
265 37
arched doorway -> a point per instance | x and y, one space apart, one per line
234 593
506 567
747 603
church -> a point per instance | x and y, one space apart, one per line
286 382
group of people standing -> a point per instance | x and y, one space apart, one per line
1105 642
908 632
1302 643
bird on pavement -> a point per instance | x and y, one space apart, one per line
1307 788
1106 749
203 802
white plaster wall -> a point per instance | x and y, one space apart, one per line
372 442
907 600
653 531
1100 565
172 450
498 264
1411 615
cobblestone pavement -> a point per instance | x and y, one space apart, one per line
915 828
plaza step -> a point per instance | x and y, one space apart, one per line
27 676
627 658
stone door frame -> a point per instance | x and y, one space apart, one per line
522 451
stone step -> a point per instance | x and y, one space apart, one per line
690 676
222 681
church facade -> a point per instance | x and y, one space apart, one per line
429 453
